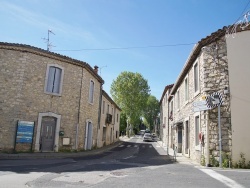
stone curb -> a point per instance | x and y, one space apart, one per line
39 155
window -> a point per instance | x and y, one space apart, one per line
197 129
91 91
196 78
117 117
178 99
164 122
186 90
170 116
108 109
103 107
54 79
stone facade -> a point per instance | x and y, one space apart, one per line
192 132
108 131
23 96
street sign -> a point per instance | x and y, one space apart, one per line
214 100
200 103
200 108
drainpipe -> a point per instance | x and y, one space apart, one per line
78 116
99 114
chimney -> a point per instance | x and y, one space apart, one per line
96 69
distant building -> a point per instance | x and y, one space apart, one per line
108 131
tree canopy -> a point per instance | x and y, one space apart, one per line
151 111
130 91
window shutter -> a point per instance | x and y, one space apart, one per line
50 79
57 80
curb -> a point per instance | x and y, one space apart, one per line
40 155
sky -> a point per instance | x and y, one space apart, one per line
150 37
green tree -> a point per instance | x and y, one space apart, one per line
123 123
151 111
130 91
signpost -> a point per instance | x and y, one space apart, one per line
24 133
200 106
215 100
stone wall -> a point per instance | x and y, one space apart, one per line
213 77
22 96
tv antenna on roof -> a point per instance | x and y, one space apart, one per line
49 45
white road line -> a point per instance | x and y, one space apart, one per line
135 146
227 181
128 157
128 146
150 146
121 146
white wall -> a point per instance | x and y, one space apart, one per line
239 81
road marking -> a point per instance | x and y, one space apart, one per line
227 181
150 146
135 146
121 146
129 146
128 157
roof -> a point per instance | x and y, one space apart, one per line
110 99
213 37
45 53
165 90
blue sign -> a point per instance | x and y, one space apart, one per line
25 131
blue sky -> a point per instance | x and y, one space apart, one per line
107 33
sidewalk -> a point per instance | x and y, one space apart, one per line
39 155
179 157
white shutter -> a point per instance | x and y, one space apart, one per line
57 80
50 79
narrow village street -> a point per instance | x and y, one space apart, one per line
131 163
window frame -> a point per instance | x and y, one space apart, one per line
197 130
196 78
178 100
91 91
47 79
103 107
186 85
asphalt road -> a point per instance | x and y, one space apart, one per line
132 163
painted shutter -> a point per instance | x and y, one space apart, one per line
50 79
57 80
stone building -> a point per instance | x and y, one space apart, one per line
164 115
213 68
48 102
110 121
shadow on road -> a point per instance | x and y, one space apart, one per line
125 155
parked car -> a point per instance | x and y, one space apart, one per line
147 137
142 132
154 137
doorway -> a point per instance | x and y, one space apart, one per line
180 138
48 134
89 134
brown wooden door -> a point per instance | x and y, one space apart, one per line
48 134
